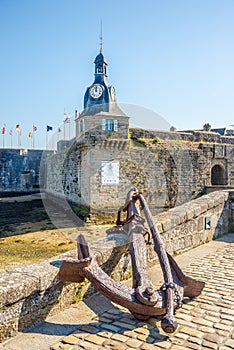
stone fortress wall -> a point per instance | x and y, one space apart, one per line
170 168
30 293
19 170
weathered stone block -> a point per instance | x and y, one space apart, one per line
8 329
16 285
200 223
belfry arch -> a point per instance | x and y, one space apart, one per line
218 175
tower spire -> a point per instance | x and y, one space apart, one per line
101 42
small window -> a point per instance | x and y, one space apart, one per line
115 125
100 70
103 124
109 125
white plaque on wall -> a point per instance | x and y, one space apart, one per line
110 172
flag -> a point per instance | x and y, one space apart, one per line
34 127
3 130
66 118
10 132
49 128
77 114
30 134
17 127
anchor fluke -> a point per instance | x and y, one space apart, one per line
82 248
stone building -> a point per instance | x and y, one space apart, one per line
107 158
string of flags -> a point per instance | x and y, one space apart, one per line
17 128
67 119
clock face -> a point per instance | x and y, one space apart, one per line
96 91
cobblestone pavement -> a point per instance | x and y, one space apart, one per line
204 323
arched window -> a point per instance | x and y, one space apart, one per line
218 176
99 68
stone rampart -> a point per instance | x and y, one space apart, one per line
31 293
190 135
169 172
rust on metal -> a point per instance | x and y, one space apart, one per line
142 300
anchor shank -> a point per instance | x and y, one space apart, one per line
168 321
141 281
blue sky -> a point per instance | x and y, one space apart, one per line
175 57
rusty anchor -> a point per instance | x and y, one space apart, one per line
142 300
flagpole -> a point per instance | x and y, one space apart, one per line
33 135
11 134
4 136
48 128
69 129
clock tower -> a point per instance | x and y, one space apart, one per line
101 118
102 140
99 93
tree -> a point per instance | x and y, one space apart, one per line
206 127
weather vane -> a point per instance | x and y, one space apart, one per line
101 42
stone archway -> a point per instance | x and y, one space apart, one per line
218 175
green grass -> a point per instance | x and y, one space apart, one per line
32 248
